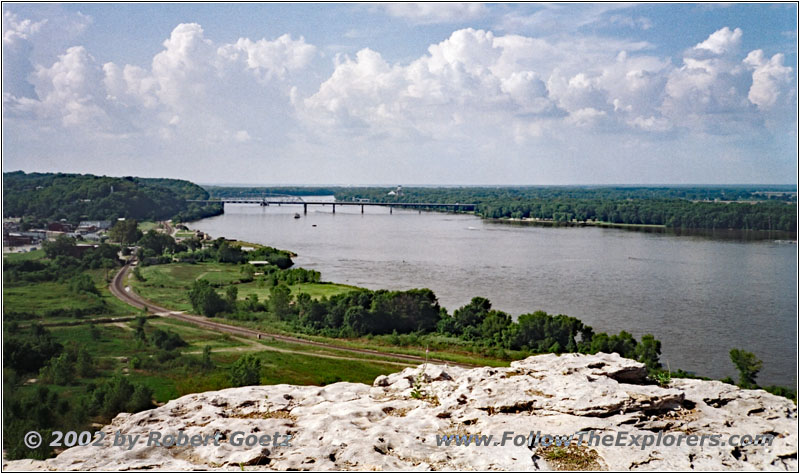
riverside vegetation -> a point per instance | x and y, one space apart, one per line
770 208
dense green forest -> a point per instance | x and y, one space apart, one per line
689 207
42 197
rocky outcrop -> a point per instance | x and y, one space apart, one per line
395 424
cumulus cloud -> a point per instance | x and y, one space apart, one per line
721 41
15 28
711 82
17 50
471 93
272 58
66 91
477 82
769 77
436 12
476 77
190 88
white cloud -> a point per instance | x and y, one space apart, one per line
486 81
194 89
709 91
652 124
15 29
242 136
66 91
641 23
560 18
769 76
446 12
548 103
272 58
722 41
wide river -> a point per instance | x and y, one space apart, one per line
701 297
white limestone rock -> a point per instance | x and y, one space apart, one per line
393 425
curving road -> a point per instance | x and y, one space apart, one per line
126 294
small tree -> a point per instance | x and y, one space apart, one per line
246 371
205 300
137 272
60 370
231 293
94 332
748 366
648 351
84 364
139 332
279 298
62 245
142 399
166 340
83 283
125 232
207 362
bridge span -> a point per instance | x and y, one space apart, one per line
455 207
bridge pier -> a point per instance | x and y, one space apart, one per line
390 209
362 208
305 208
334 208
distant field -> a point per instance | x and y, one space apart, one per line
49 297
169 284
314 290
147 225
116 345
20 256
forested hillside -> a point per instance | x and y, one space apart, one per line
75 197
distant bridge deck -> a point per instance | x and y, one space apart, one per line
299 201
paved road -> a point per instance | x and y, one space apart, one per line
127 295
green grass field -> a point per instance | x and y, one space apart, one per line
20 256
168 284
315 290
40 298
147 225
116 344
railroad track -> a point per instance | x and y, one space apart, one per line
127 295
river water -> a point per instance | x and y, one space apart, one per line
701 297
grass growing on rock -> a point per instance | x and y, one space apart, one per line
571 458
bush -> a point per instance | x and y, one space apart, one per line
116 395
748 366
59 370
83 283
246 371
205 300
166 340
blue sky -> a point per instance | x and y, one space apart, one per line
404 93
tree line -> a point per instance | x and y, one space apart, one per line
43 197
680 207
741 208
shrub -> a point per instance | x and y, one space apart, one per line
246 371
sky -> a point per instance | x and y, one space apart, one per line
386 94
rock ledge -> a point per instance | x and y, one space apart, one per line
393 425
